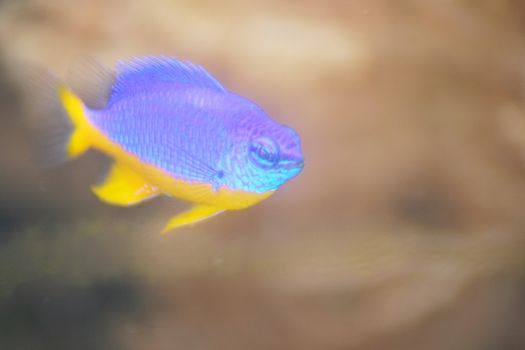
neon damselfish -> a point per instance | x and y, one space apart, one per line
172 129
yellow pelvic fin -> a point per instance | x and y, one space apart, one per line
124 187
79 140
197 213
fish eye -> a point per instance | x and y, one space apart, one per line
264 152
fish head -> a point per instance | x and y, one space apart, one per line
266 155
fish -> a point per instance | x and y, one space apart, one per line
170 128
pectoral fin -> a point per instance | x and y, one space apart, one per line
124 187
196 213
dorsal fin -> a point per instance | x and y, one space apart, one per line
90 81
133 74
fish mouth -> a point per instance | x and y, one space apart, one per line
292 162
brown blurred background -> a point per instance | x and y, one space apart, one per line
405 230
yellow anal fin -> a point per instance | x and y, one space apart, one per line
124 187
197 213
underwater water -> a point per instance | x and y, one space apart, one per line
405 229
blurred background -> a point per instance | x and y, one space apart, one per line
405 231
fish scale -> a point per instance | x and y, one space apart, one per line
158 136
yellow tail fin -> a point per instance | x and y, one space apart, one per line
79 140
